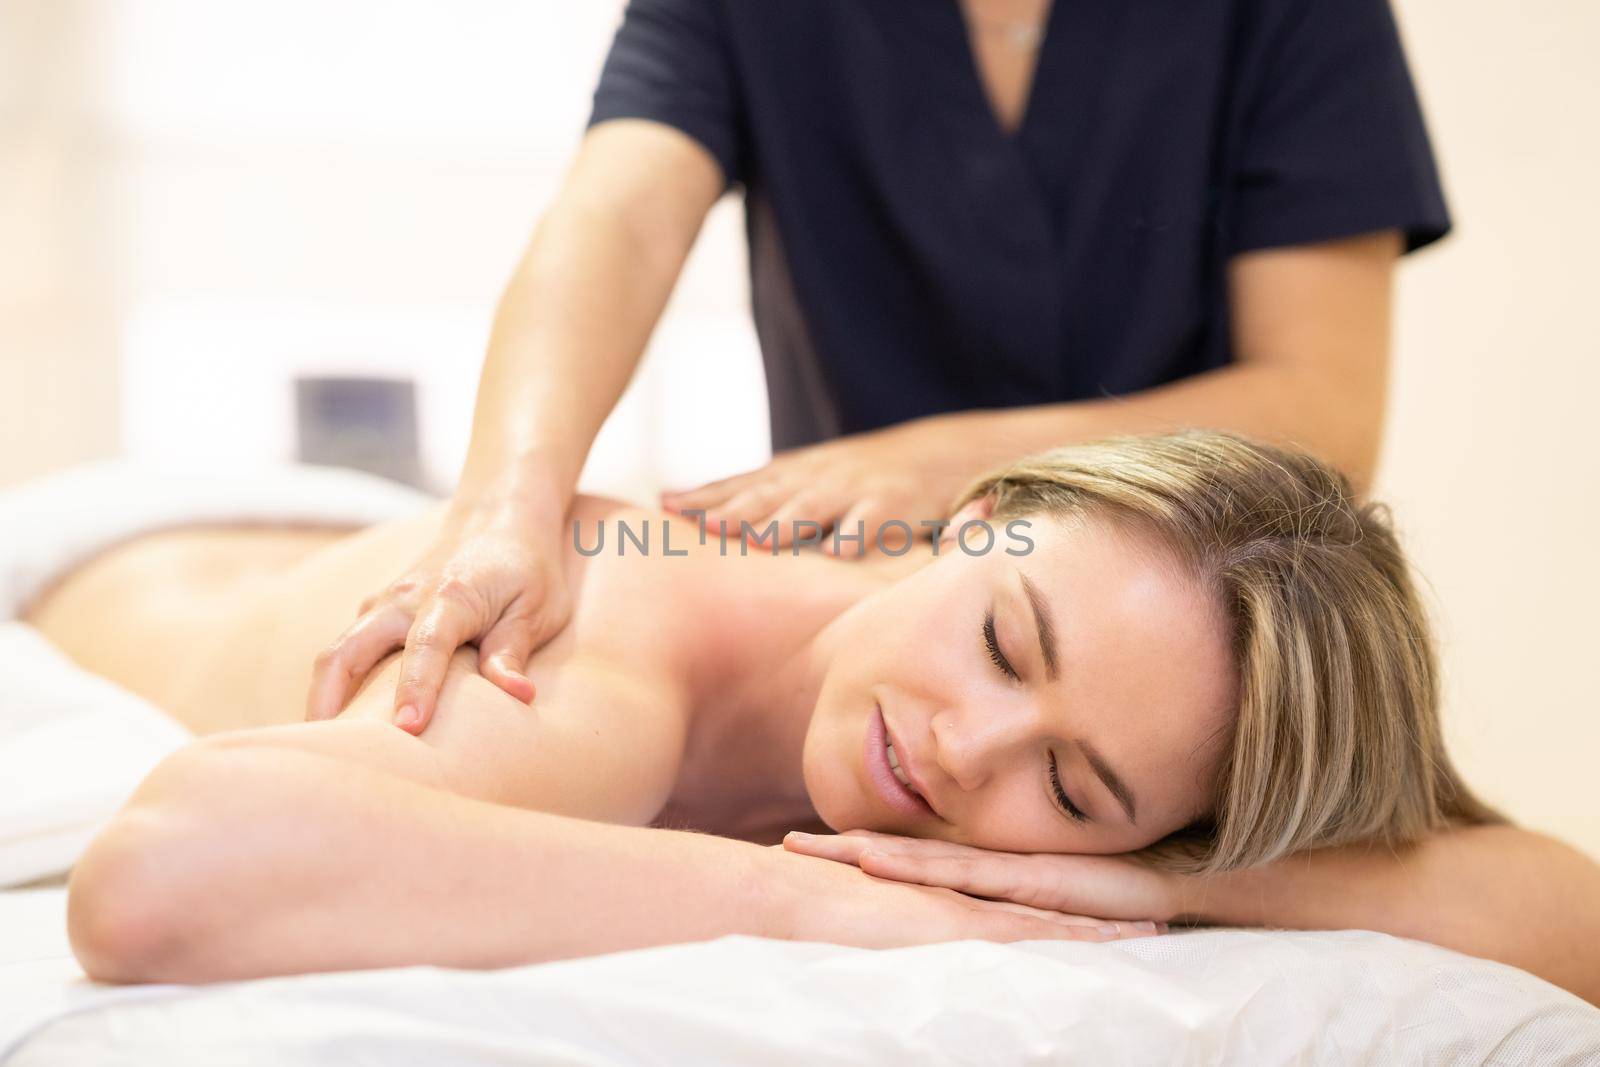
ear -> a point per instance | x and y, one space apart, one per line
979 508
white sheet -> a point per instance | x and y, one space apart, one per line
72 748
1229 996
50 524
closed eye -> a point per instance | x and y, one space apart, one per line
995 654
1061 794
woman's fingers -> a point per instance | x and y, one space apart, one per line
1029 928
848 846
1000 875
1037 880
1105 929
1001 922
446 622
341 666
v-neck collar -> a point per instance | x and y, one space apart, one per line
973 72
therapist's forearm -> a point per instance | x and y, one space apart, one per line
566 338
572 325
1310 339
1491 891
252 861
1269 402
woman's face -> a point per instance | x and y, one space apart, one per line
1105 659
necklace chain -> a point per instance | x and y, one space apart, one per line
1017 33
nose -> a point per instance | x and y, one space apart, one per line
971 743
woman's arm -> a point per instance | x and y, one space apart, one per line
245 861
242 861
1492 891
600 743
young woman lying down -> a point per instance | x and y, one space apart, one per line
1171 679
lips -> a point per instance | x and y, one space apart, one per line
903 754
884 782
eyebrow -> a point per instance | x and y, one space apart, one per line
1047 627
1109 777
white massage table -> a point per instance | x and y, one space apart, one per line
72 746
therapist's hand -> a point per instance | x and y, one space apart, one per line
908 472
1110 887
493 577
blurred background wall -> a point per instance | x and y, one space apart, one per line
202 203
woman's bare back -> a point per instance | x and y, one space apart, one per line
219 627
156 613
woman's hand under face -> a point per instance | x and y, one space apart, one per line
907 472
1112 887
845 905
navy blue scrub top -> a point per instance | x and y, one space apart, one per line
909 257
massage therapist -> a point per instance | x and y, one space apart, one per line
977 229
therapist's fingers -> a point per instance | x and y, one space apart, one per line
446 622
751 505
503 653
341 666
856 530
713 492
807 506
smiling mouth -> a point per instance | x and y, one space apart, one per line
892 781
894 765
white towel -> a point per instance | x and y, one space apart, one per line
74 745
52 524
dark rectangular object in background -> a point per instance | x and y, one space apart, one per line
366 423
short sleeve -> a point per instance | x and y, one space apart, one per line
671 62
1333 142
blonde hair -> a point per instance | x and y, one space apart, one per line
1337 737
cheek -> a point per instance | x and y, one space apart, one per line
925 632
826 776
1009 816
901 643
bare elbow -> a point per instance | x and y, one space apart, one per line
116 922
142 893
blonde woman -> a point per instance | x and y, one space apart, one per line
1187 679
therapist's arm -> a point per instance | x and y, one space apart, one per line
568 335
1311 328
1311 352
576 316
